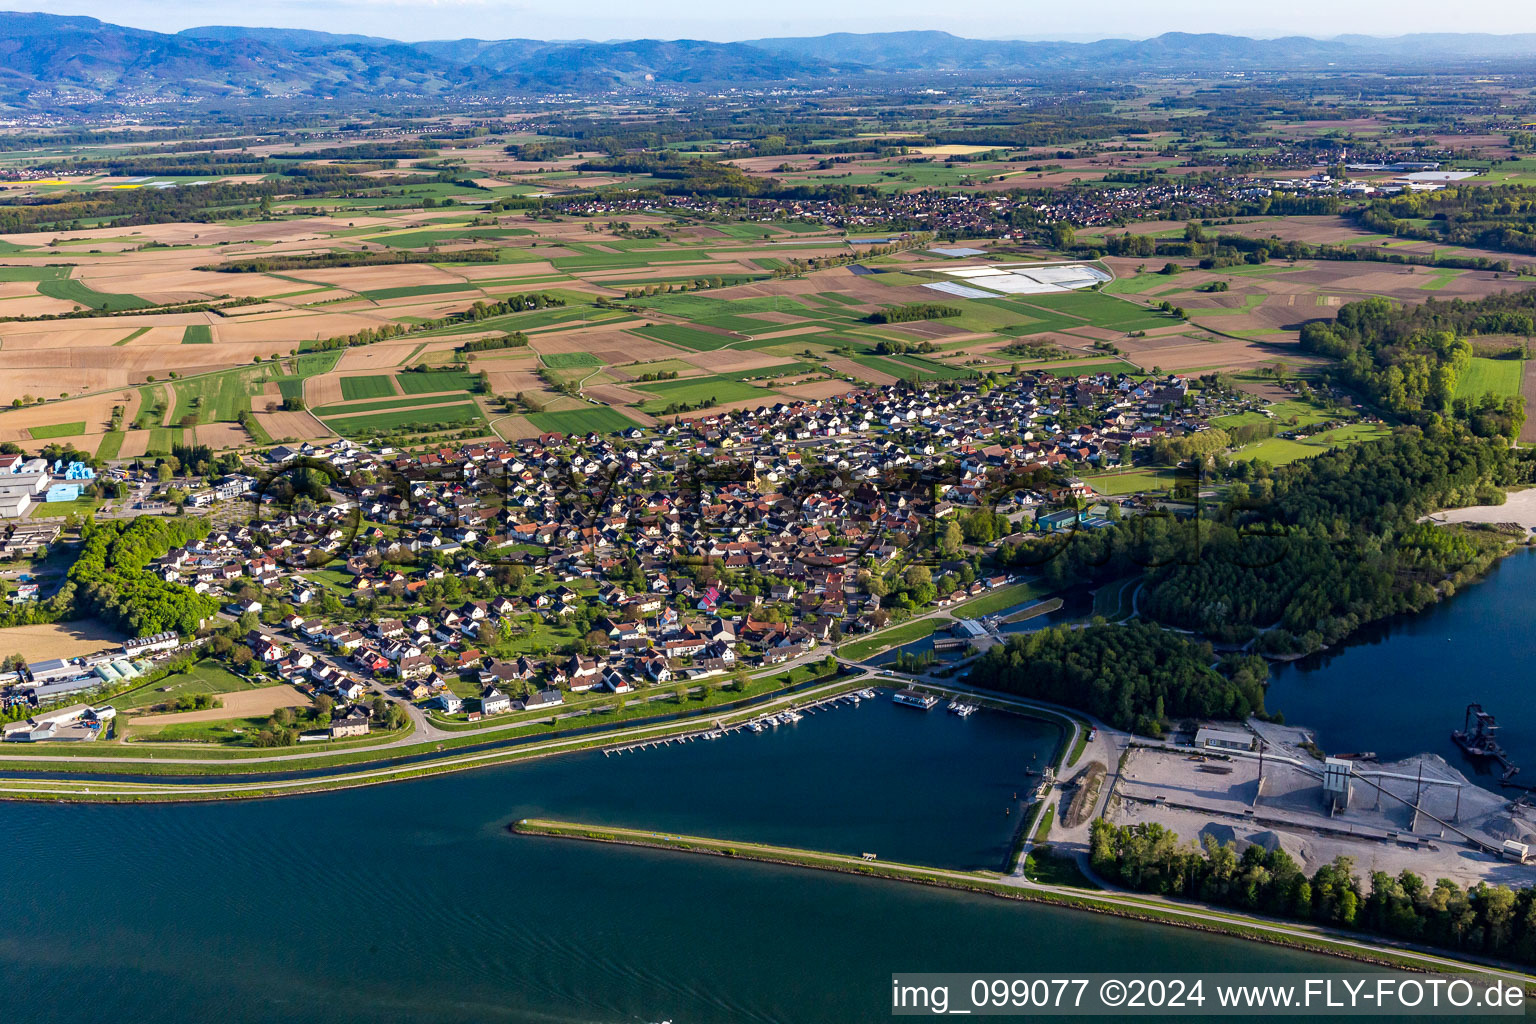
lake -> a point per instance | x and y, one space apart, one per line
411 902
1399 687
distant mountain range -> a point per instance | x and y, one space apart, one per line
50 61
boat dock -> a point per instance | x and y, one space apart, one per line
788 716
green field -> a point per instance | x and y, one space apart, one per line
1131 481
1491 376
569 360
410 290
219 397
1278 450
436 380
204 677
692 392
1100 310
463 414
111 444
69 290
374 386
355 408
907 367
892 637
688 337
599 418
57 430
703 307
423 239
163 439
994 601
1086 368
56 283
197 334
138 333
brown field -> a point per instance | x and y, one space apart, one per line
818 389
135 444
616 395
281 332
240 704
25 301
498 271
59 640
515 428
94 410
288 424
723 360
220 436
510 382
1528 391
323 389
1181 353
375 358
609 346
364 279
854 369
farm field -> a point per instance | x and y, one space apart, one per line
435 381
1500 377
59 640
429 418
376 386
597 418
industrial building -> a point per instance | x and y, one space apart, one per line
1224 739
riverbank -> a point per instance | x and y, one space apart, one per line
1012 887
106 790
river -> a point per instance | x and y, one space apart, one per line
1399 687
411 902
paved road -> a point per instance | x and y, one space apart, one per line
449 762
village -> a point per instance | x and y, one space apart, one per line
494 577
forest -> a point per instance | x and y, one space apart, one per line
1485 920
109 580
1308 554
1501 217
1134 676
1408 358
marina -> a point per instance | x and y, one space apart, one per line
789 716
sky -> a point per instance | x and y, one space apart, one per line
413 20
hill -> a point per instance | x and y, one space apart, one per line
52 61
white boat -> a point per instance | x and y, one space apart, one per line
755 726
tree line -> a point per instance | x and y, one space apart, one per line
1484 920
328 260
912 312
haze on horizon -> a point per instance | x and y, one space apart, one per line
415 20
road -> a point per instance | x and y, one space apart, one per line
449 762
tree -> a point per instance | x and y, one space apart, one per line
321 712
953 536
